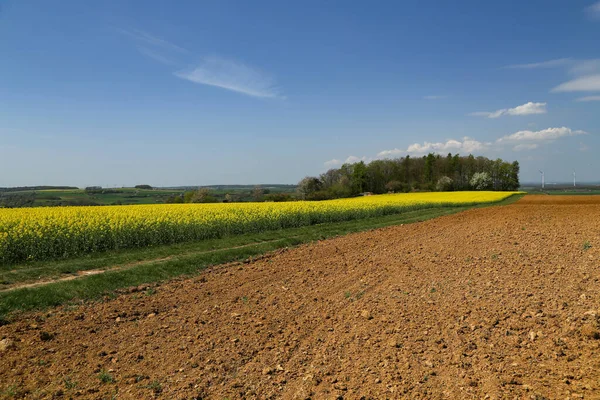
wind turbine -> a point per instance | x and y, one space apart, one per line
542 172
574 179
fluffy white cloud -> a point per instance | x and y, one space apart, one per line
540 136
466 145
332 163
590 83
354 159
526 146
520 141
529 108
350 160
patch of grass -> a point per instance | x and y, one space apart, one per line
11 391
587 246
105 377
69 384
157 264
155 386
348 295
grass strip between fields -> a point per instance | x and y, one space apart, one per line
156 264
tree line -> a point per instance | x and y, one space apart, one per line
432 172
209 195
33 188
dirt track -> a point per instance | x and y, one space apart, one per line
500 302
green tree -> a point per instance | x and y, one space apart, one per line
395 186
359 178
258 193
203 195
514 176
309 185
429 166
187 196
444 184
406 166
481 181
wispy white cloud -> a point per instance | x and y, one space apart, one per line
586 73
231 75
526 146
583 147
588 98
153 47
467 145
559 62
585 67
213 71
144 38
577 67
525 109
593 10
589 83
435 97
156 56
548 134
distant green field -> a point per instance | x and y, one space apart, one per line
590 189
125 196
111 196
572 192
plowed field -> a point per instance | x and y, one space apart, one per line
502 302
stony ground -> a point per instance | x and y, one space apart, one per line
499 302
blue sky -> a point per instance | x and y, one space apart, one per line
196 93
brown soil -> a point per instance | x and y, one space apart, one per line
500 302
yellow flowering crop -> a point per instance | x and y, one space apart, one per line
57 232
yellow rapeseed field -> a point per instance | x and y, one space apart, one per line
48 233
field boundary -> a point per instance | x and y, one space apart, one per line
84 273
59 233
169 262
